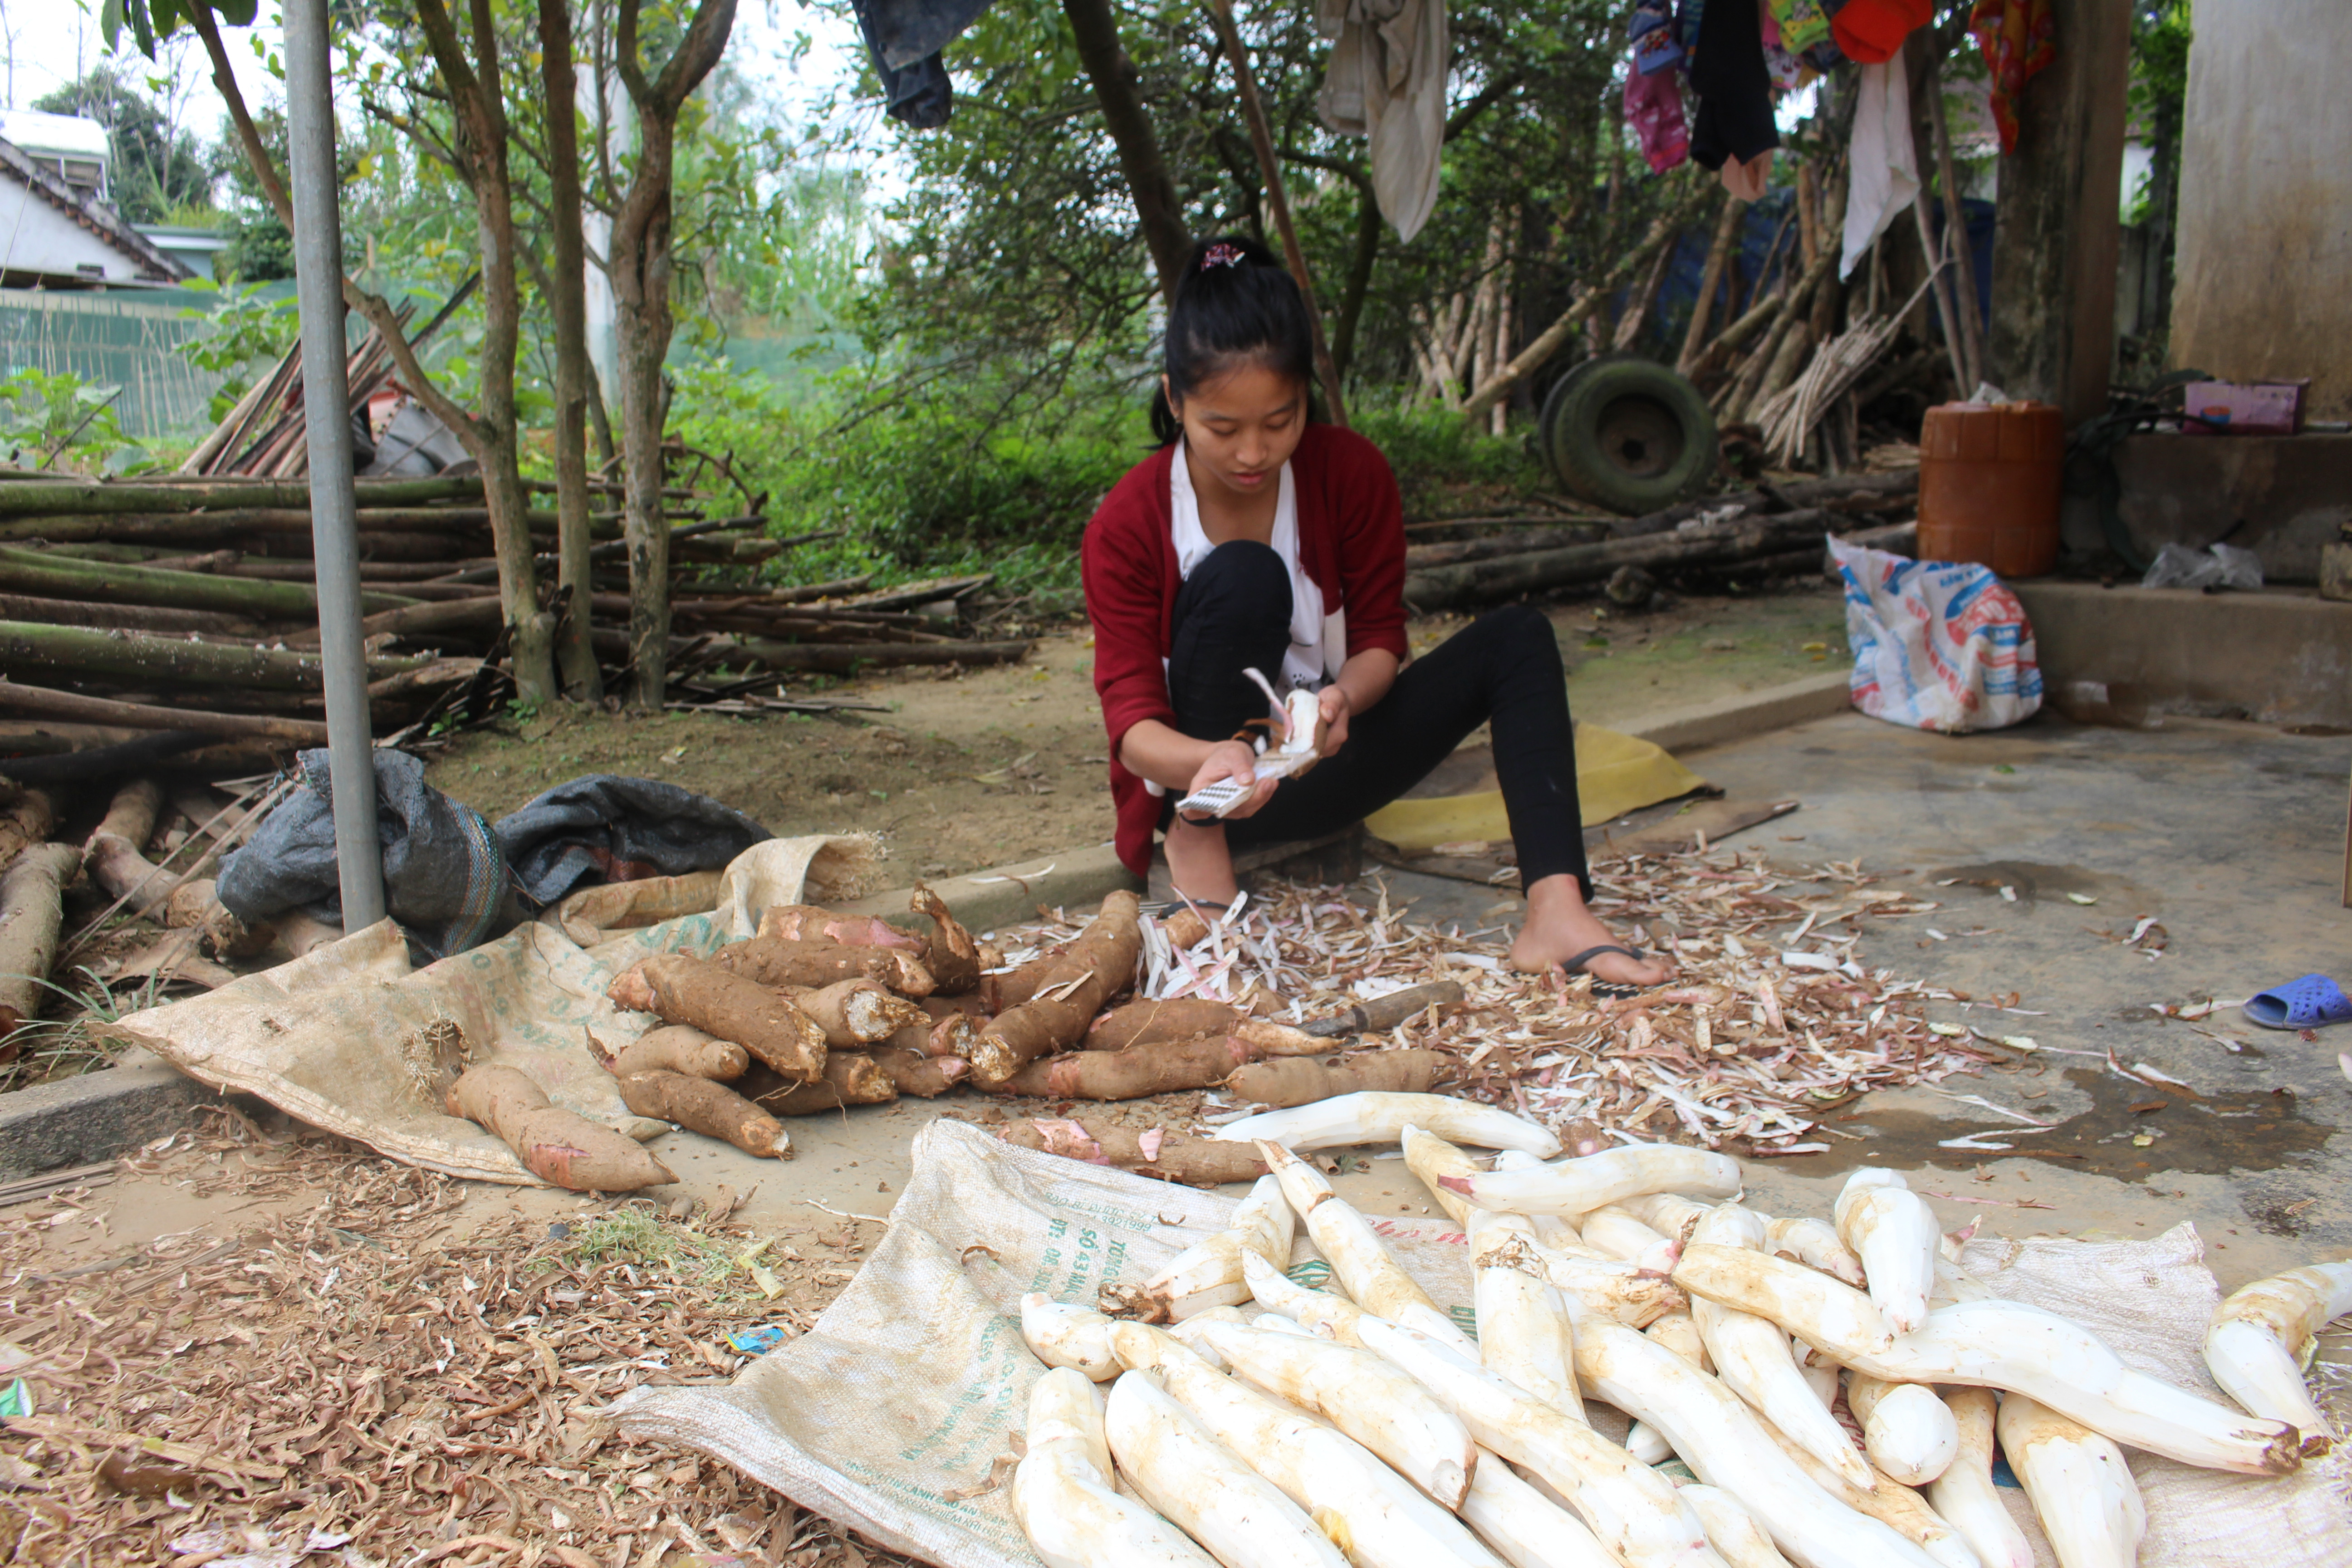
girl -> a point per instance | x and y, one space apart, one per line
1256 538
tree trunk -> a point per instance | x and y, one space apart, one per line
568 303
1113 77
1360 276
639 265
1718 255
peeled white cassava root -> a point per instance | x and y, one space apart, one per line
1906 1430
1208 1272
1374 1516
1814 1243
1527 1528
1062 1335
1364 1395
1631 1294
1373 1280
1752 1357
1630 1509
1891 1503
1062 1495
2265 1335
1998 1344
1965 1496
1552 1229
1613 1233
1319 1312
1893 1232
2081 1490
1373 1116
1671 1215
1174 1465
1523 1332
1430 1157
1579 1186
1727 1447
1731 1529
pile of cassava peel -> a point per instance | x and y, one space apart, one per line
1270 1424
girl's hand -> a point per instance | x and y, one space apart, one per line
1232 760
1338 708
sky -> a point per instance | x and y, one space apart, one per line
44 45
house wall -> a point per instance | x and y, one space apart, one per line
115 338
35 236
2263 270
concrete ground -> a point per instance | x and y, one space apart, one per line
2229 836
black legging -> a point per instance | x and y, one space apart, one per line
1233 613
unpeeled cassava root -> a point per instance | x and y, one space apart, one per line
1197 1162
554 1145
698 1105
854 1014
681 1048
849 1077
951 955
808 924
1097 966
1130 1074
682 989
1303 1080
920 1072
778 960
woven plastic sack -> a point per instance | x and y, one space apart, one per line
1938 645
893 1412
353 1040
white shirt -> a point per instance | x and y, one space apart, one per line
1318 643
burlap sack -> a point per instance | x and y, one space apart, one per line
892 1413
351 1040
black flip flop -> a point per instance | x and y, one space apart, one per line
1614 990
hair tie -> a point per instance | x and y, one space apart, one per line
1222 256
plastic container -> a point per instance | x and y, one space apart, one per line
1990 480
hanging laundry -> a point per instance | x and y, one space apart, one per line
2019 38
1654 106
1733 124
904 38
1656 47
1873 30
1386 80
1802 24
1687 16
1886 167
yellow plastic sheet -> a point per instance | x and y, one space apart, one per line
1615 773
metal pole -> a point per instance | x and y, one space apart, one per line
325 412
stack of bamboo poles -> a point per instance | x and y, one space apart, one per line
185 606
1765 531
263 434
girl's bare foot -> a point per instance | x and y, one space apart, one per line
1200 864
1559 927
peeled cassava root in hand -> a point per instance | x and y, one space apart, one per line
702 1106
554 1145
682 989
1196 1162
779 961
1097 966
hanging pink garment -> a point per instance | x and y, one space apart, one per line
1654 106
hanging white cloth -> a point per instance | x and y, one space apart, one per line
1885 165
1386 80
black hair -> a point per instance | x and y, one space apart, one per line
1236 302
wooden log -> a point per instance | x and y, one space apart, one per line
124 617
479 612
115 855
31 913
28 648
843 659
429 677
1481 581
117 582
104 762
28 819
1519 542
18 698
1827 493
130 496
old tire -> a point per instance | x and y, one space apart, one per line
1557 393
1629 434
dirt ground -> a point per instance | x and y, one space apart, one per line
987 767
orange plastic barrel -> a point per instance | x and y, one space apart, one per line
1990 477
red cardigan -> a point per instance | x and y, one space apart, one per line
1350 542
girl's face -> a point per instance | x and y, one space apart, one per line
1242 426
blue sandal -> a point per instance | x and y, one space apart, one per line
2306 1004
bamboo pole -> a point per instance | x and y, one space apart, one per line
73 705
28 648
120 583
1262 138
1718 257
